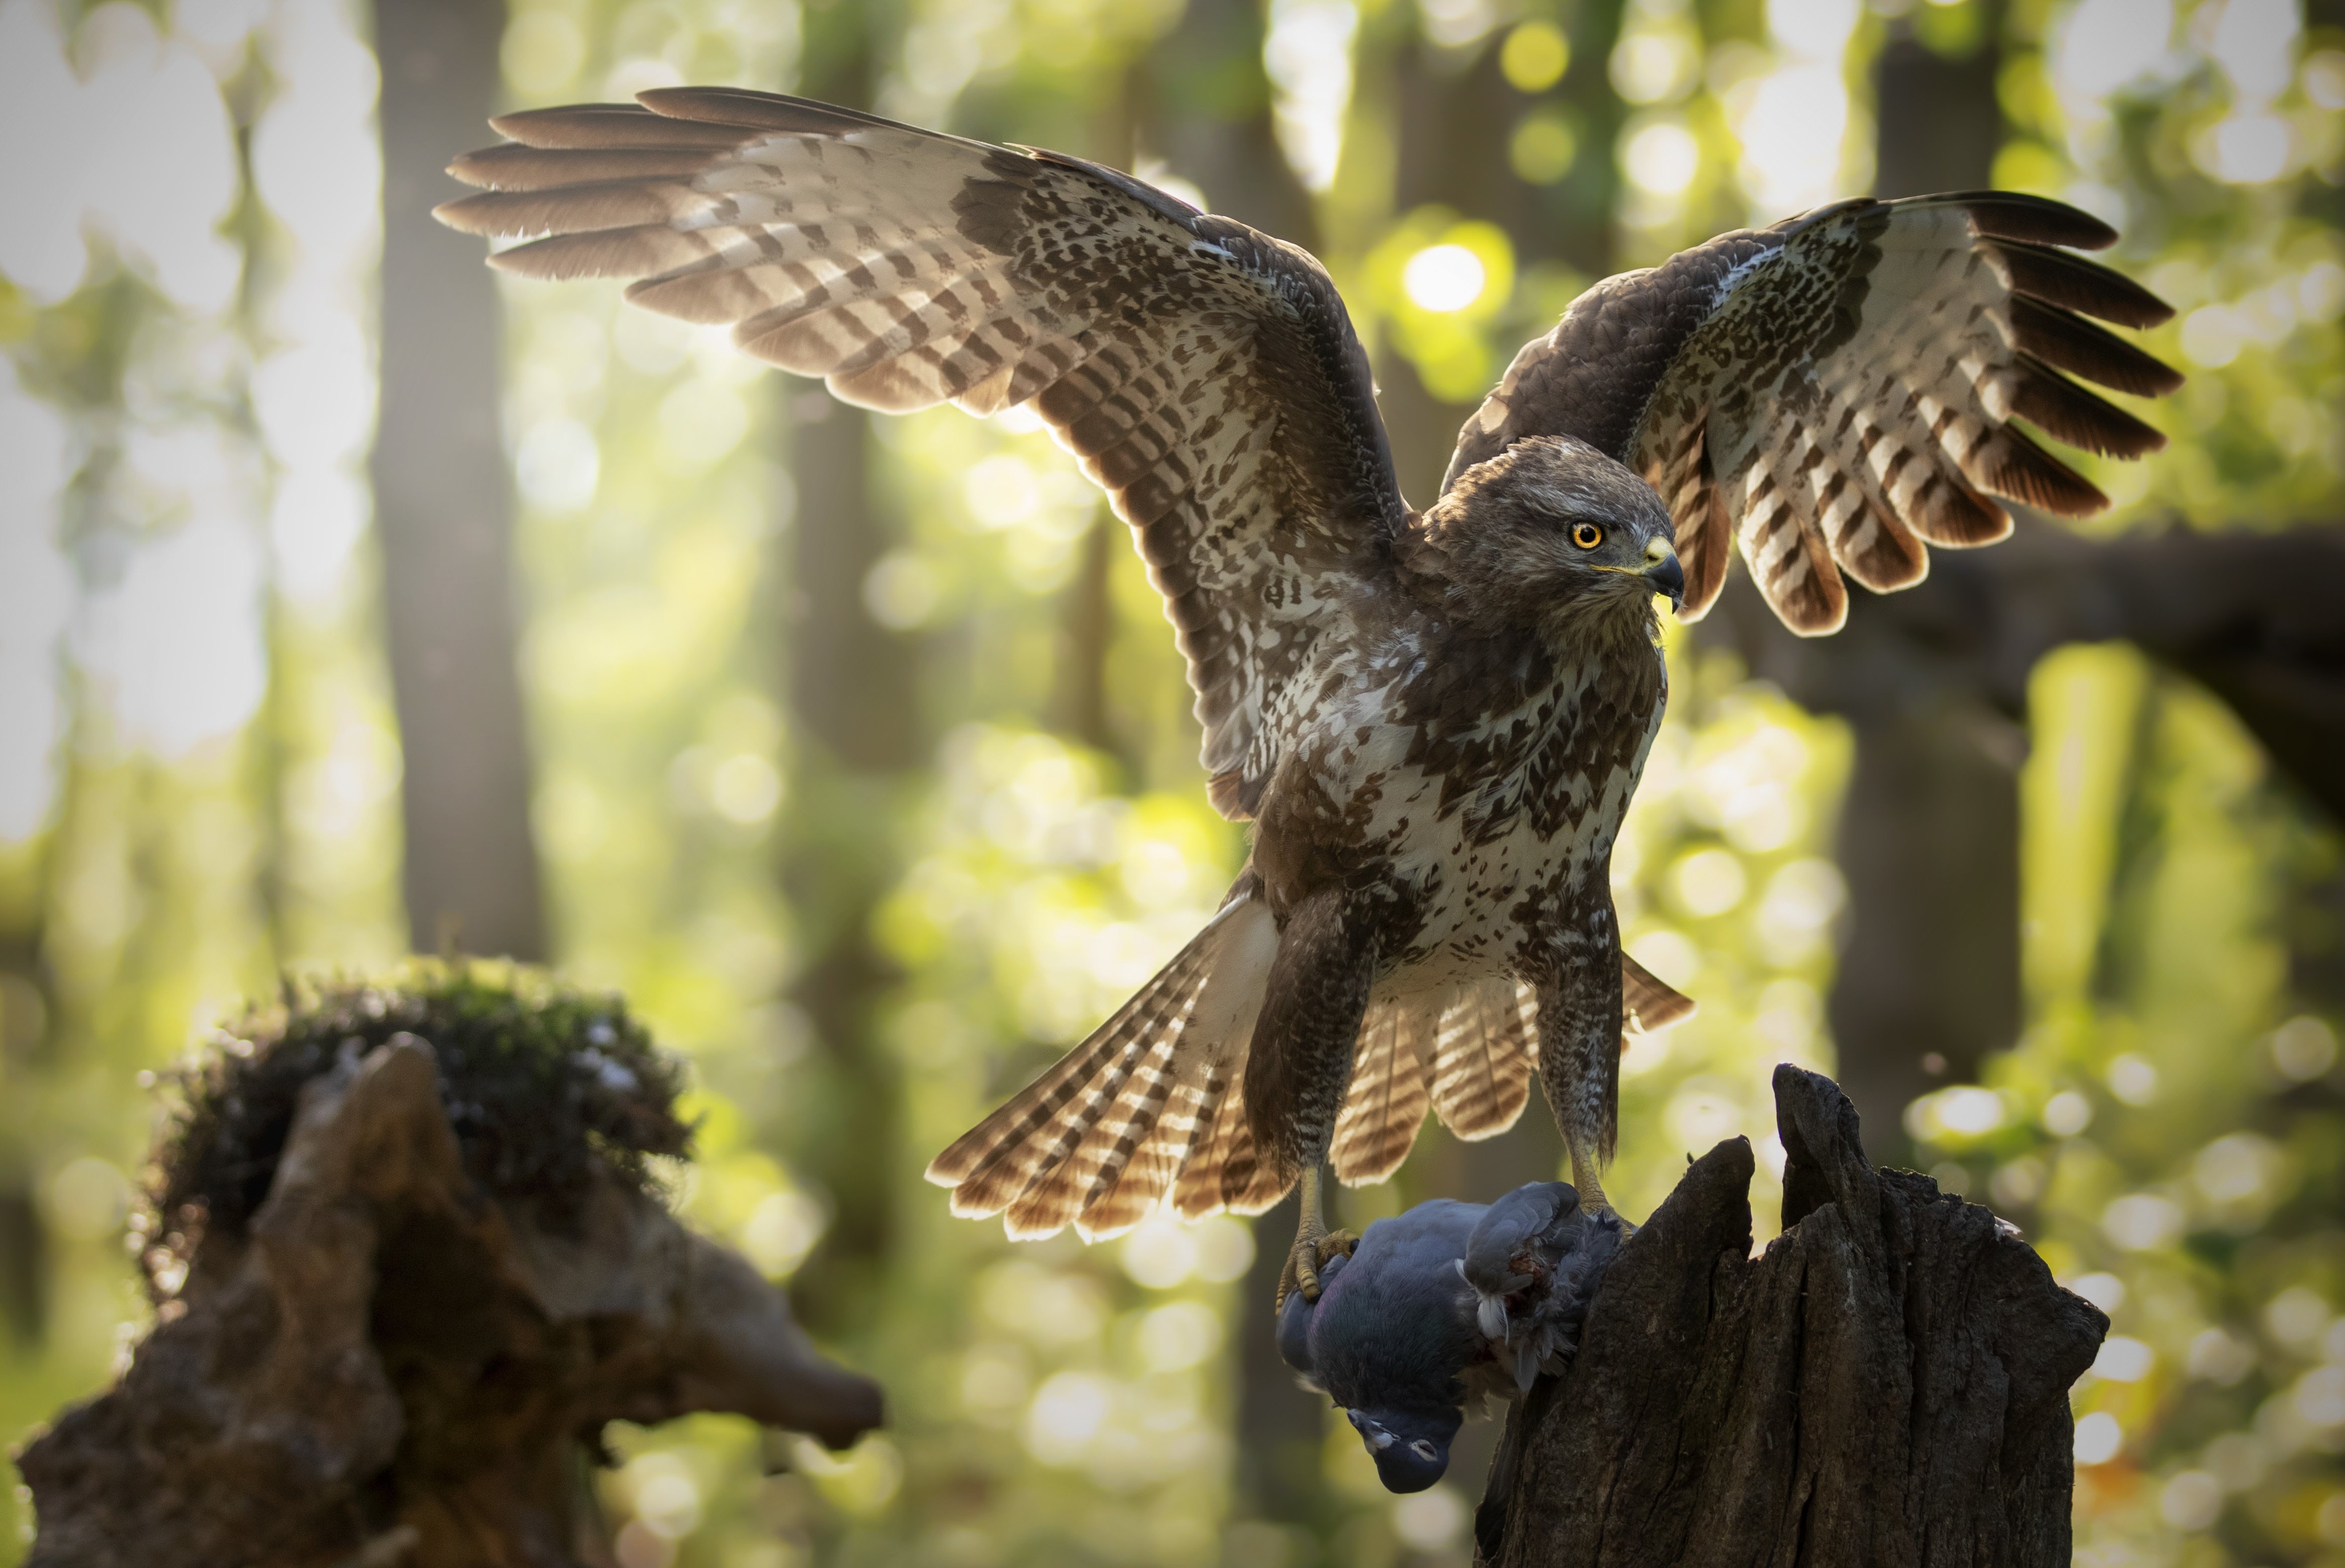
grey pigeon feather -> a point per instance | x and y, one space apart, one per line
1441 1307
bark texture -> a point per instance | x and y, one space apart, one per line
1887 1385
391 1368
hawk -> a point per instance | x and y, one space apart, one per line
1435 718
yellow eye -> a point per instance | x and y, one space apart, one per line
1587 535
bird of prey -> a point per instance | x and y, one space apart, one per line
1435 717
1442 1307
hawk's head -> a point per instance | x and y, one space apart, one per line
1549 531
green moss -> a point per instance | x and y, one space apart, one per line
547 1088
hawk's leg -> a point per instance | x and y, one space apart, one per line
1579 1018
1314 1244
1300 1063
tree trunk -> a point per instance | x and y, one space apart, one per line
443 505
1928 984
1887 1385
857 736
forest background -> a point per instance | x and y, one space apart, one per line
353 604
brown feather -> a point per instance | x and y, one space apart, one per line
1387 1102
1647 1003
773 113
1485 1054
514 166
2073 344
609 126
2008 215
2072 283
2063 409
572 209
606 253
2009 464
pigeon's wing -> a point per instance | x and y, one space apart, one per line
1838 391
1207 375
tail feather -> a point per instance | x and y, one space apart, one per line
1197 1189
1646 1002
1387 1099
1127 1102
1065 1156
1228 1172
1025 1122
1488 1048
1144 1164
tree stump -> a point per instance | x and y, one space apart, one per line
1885 1385
388 1366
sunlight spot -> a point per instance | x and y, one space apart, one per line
1430 1519
1535 56
1662 157
1709 882
2297 1317
2192 1501
903 590
782 1229
2098 1437
558 466
1160 1253
2123 1360
2132 1079
2104 1290
1443 277
2141 1221
1307 54
1179 1335
2245 148
1067 1414
2303 1048
2066 1113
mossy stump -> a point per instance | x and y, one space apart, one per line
379 1341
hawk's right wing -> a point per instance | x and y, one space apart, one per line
1837 391
1206 375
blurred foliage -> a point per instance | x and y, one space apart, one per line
187 639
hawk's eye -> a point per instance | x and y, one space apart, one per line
1587 535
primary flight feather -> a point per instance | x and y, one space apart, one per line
1435 718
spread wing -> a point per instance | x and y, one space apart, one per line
1838 391
1206 375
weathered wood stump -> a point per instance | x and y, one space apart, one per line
390 1366
1887 1385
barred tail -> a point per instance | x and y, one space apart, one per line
1100 1138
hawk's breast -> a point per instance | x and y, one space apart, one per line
1482 805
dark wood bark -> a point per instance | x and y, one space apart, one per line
443 504
1887 1385
390 1367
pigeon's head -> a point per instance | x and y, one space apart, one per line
1411 1447
1550 529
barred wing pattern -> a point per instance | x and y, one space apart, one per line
1836 393
1206 375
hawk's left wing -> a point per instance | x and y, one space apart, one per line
1206 375
1838 391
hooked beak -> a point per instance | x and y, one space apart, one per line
1664 573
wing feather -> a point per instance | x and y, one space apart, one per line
1207 376
1839 392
